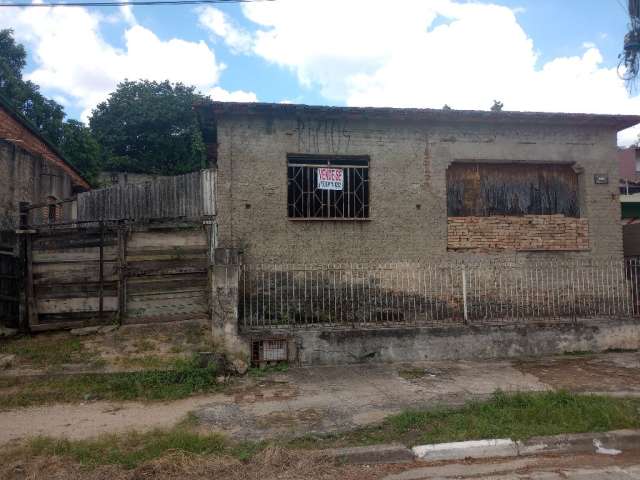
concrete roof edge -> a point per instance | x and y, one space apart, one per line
619 122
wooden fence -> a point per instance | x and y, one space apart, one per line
189 196
186 197
101 273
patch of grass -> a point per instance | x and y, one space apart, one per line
47 350
132 449
516 416
143 345
621 350
579 353
147 362
411 373
185 379
259 372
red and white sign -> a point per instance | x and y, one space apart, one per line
330 178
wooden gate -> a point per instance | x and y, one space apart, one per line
72 277
100 273
166 275
9 280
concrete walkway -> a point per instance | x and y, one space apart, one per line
325 399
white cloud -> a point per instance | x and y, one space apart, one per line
127 14
72 58
218 23
222 95
426 54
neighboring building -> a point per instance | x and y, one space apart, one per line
33 171
109 179
629 167
313 184
629 163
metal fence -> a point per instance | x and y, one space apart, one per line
282 296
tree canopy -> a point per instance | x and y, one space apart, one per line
144 126
81 149
150 127
23 95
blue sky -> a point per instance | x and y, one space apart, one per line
547 55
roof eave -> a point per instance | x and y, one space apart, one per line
614 122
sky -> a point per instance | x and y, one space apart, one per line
534 55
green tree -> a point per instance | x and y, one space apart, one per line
150 127
497 106
23 95
81 149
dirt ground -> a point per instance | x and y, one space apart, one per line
276 463
128 348
329 399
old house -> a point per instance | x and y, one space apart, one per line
33 171
629 169
305 184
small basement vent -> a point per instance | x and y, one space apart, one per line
272 350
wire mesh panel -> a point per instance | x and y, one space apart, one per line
411 293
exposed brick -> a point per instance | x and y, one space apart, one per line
527 233
14 132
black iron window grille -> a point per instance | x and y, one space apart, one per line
328 186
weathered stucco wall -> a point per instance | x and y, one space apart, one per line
408 164
27 178
332 347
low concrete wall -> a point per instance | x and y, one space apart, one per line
341 346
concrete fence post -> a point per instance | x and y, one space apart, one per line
464 294
225 276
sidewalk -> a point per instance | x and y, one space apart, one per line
325 399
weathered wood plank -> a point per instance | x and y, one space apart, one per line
167 239
32 312
167 296
167 267
65 273
69 241
77 304
192 282
87 289
180 317
74 254
171 253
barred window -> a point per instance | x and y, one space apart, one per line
328 186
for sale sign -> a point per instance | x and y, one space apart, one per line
330 178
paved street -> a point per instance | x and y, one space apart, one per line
569 467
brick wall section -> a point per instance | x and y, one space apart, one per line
14 132
526 233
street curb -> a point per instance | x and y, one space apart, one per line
498 447
608 443
389 453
